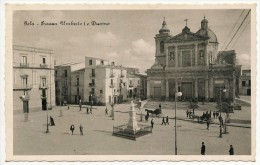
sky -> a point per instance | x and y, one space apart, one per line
128 39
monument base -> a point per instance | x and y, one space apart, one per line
126 132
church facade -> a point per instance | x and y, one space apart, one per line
191 63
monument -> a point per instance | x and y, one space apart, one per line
132 129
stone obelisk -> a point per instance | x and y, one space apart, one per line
132 122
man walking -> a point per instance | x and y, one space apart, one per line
208 122
214 114
167 120
187 113
152 123
231 150
81 129
106 113
80 105
72 128
163 121
202 149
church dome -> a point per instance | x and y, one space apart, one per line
206 31
164 28
212 36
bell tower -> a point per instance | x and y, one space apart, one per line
160 39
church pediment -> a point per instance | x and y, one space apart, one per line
186 37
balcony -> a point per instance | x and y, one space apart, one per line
112 75
43 65
17 87
131 85
41 86
25 97
112 85
92 75
91 84
24 65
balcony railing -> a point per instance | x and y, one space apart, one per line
43 65
92 75
131 85
17 87
112 85
112 75
122 76
41 86
24 65
92 84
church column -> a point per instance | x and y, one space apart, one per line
176 85
176 56
181 59
206 89
196 88
234 84
206 55
196 54
191 58
211 88
167 88
148 89
166 56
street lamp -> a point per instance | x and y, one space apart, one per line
220 101
112 102
176 94
44 105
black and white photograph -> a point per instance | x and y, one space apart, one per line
159 82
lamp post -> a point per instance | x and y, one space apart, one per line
60 101
112 102
44 105
220 101
176 94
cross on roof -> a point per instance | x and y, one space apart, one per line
186 20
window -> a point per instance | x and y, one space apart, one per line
43 60
138 81
243 83
130 82
24 81
56 72
90 62
65 82
186 60
161 47
43 81
93 91
201 53
93 81
93 72
101 91
24 59
102 62
77 81
111 81
171 55
65 73
77 90
249 83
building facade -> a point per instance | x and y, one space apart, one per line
191 63
245 83
33 69
69 83
104 82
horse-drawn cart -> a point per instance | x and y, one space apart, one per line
157 112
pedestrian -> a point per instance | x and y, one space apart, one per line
160 106
214 114
146 117
106 113
90 110
81 129
187 113
163 121
51 122
80 105
152 123
231 150
203 149
87 110
167 120
217 114
72 127
68 107
210 114
208 122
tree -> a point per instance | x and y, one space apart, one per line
193 105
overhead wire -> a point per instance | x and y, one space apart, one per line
240 35
238 29
231 30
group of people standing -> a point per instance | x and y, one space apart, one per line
203 149
72 128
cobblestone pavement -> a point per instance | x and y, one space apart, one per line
30 137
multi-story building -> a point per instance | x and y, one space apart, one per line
136 83
104 82
245 83
191 63
33 69
69 83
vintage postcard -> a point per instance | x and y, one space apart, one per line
130 82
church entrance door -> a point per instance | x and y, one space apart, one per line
186 89
157 93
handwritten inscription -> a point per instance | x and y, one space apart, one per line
66 23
